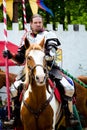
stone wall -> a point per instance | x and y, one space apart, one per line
73 44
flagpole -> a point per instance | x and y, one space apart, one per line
24 14
25 21
6 59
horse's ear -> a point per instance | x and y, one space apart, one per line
27 43
42 42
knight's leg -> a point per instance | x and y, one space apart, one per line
69 92
16 109
14 114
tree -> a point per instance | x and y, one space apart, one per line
65 12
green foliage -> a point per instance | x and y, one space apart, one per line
1 14
65 12
9 22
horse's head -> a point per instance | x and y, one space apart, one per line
35 63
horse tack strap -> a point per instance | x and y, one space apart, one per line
38 112
56 91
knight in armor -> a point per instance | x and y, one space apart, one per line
52 43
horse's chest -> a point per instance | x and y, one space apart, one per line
40 115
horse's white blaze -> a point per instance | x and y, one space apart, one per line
38 61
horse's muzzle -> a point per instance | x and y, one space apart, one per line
40 79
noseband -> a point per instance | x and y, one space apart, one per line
33 68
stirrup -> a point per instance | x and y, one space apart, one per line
72 121
9 122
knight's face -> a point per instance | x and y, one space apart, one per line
36 24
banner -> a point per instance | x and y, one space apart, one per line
9 7
43 6
34 6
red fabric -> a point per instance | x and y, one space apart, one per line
21 96
10 46
56 91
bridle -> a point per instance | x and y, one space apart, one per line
38 112
33 68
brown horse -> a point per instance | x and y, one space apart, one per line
81 98
3 78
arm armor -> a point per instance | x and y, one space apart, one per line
20 56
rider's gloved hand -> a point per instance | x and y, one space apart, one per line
7 53
50 53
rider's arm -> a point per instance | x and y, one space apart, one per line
18 58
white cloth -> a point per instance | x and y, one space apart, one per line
68 88
40 36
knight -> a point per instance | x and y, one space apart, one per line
51 45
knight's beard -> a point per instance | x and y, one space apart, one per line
38 30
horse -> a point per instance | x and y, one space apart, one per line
39 108
81 95
81 98
3 78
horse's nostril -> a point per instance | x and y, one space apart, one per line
37 78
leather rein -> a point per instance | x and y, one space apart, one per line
37 113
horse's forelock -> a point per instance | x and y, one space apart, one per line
33 47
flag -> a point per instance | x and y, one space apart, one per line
12 47
9 7
34 6
43 6
1 2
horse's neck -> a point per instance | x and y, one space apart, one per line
37 95
39 92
